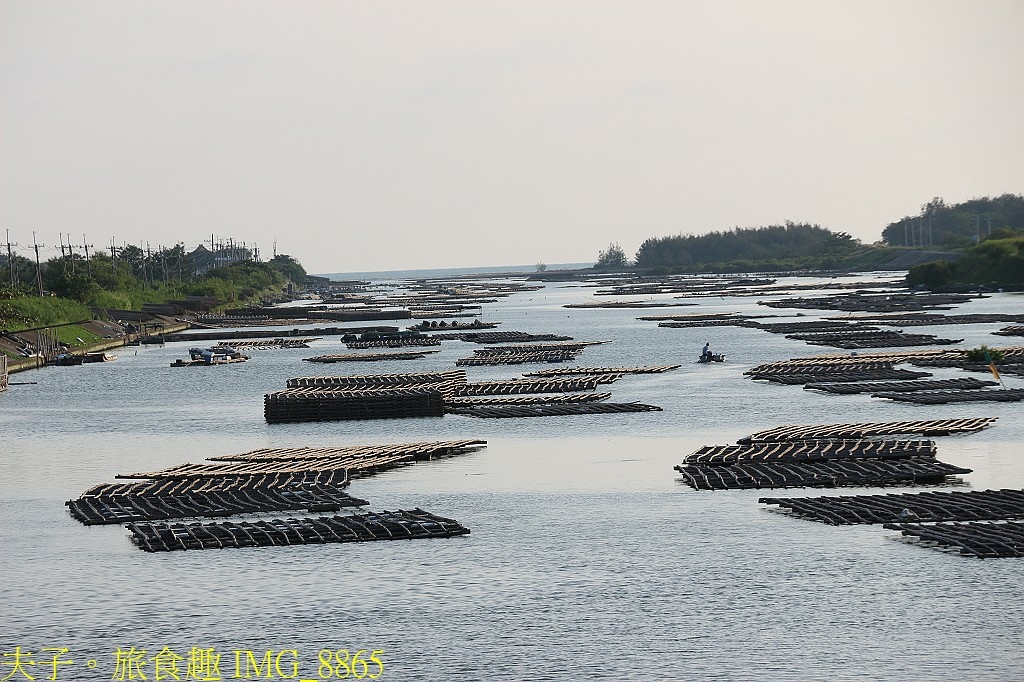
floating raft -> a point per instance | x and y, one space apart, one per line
540 385
916 507
525 357
1012 330
879 303
173 499
316 464
267 344
367 527
831 370
542 399
930 319
691 324
1001 395
370 357
870 339
828 473
364 457
840 377
395 342
378 380
984 540
563 371
966 383
812 451
503 337
505 411
325 404
627 304
935 427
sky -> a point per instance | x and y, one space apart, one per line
382 135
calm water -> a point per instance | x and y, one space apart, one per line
588 559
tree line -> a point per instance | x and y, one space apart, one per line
945 226
132 276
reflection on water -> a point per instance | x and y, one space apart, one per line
587 558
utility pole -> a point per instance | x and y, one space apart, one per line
88 263
10 260
39 270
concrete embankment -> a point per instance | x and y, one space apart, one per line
14 366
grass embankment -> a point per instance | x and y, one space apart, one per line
235 284
996 262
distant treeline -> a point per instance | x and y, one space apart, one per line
957 226
773 247
135 277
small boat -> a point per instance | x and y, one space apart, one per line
99 356
218 355
66 360
715 357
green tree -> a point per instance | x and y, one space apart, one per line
612 258
289 267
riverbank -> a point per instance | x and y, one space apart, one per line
14 366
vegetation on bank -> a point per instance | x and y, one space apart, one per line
74 287
802 246
791 246
996 262
958 226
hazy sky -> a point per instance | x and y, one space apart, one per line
384 135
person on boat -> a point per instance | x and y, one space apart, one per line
705 355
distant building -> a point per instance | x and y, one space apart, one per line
204 260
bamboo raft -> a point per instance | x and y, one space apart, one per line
811 451
394 342
549 410
626 304
693 324
934 319
365 527
365 457
811 326
986 505
563 371
827 473
457 376
520 386
965 383
268 344
983 540
537 347
218 496
1012 330
847 377
503 337
454 403
832 369
518 358
370 357
695 317
929 428
870 339
1001 395
328 404
316 464
877 303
